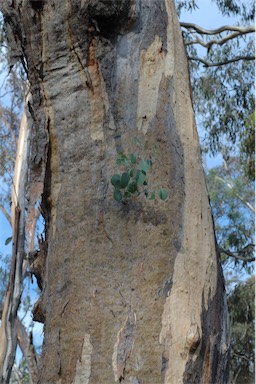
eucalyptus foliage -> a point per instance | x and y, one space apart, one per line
247 148
241 303
222 77
134 180
224 97
232 201
241 8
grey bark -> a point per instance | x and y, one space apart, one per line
8 330
132 293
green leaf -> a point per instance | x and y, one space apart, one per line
132 172
144 165
127 194
116 181
132 187
8 240
125 178
123 160
140 177
163 194
133 158
118 195
152 196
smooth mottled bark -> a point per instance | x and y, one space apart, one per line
8 329
132 292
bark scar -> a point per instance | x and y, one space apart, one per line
123 346
193 337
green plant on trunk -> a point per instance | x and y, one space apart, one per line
134 180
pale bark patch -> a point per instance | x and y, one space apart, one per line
123 346
195 265
152 65
83 365
154 62
96 115
170 57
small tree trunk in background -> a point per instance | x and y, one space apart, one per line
8 330
133 293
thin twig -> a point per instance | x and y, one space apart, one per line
218 64
6 214
231 254
231 187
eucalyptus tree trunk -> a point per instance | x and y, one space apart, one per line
8 329
132 292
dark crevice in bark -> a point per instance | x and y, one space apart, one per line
111 17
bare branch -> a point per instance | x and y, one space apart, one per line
208 44
6 214
243 357
246 247
231 187
26 345
197 28
237 31
218 64
236 255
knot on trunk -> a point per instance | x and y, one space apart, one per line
38 310
37 263
37 268
193 338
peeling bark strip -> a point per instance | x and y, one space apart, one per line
83 365
103 72
123 347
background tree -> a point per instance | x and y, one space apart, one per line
241 303
232 200
222 75
13 93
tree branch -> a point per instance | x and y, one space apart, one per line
26 345
236 256
6 214
208 44
230 186
234 28
237 31
243 357
207 64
